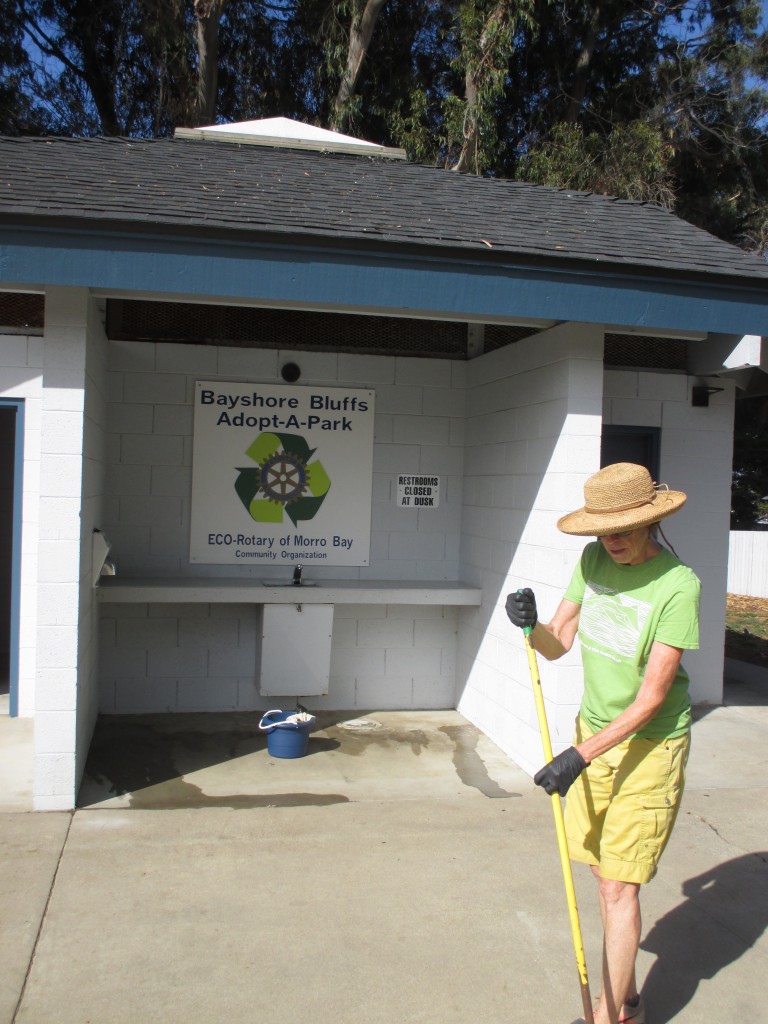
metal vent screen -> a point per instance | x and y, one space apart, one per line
241 326
645 351
22 313
247 327
498 336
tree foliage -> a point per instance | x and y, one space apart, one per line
749 492
661 100
632 161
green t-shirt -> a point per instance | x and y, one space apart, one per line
624 609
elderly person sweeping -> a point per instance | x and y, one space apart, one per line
635 608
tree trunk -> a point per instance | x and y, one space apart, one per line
360 33
581 74
208 16
467 161
166 36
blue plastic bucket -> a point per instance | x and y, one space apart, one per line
289 740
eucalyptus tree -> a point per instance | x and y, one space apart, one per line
133 67
675 96
89 64
20 113
362 16
663 100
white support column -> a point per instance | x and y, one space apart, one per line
61 472
534 421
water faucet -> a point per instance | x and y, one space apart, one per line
297 575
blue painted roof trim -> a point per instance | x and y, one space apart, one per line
407 284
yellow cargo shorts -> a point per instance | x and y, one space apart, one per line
620 812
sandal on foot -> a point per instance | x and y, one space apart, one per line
633 1014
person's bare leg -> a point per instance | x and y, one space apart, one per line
620 911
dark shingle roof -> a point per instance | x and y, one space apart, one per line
217 186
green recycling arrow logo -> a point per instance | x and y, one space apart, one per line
283 479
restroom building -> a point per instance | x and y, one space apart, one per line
231 361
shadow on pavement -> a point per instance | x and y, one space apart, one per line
724 913
162 761
147 756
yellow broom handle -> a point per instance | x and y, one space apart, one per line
562 842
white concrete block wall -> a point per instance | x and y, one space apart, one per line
91 518
59 563
202 657
419 428
696 457
392 656
21 377
186 657
533 436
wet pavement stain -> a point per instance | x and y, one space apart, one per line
178 793
150 759
147 762
470 767
355 744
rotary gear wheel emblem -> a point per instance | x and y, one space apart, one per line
283 479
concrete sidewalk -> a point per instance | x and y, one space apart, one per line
403 871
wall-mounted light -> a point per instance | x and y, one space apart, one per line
700 394
290 373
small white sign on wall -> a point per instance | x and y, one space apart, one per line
418 491
281 474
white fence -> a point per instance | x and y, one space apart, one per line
748 563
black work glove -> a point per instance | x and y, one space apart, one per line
562 771
521 608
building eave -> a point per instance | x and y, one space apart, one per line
353 275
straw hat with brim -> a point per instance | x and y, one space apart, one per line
620 498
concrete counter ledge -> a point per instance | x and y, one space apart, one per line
124 590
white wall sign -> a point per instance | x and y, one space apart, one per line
281 474
418 491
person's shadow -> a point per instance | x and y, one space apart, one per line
724 914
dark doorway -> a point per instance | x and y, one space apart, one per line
641 445
11 462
